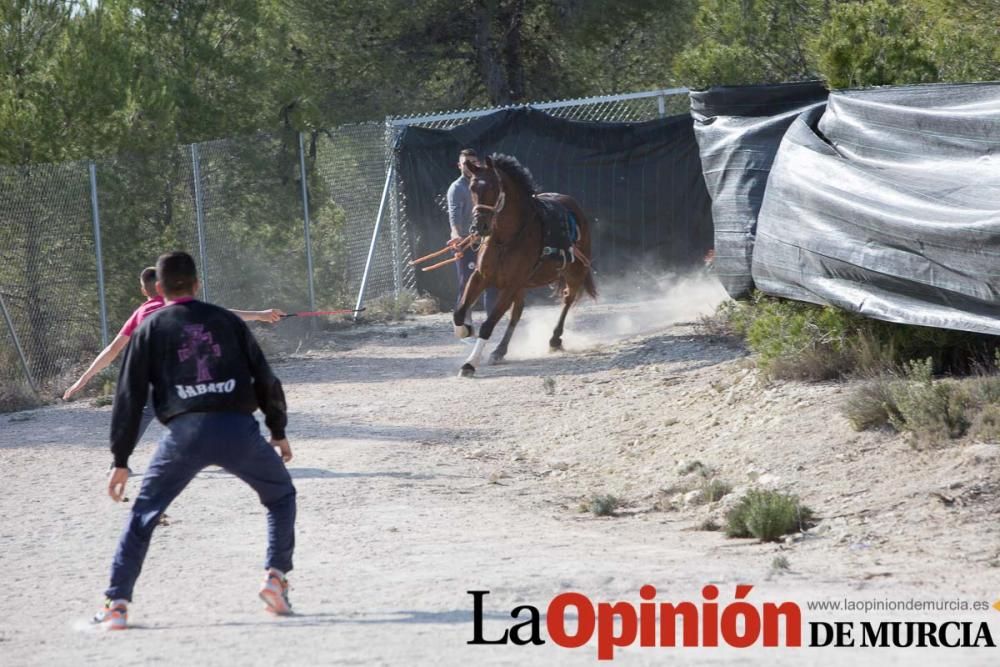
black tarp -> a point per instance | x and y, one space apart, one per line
739 129
640 184
888 204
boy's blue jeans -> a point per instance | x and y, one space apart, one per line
148 415
193 441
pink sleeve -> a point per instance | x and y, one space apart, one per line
130 324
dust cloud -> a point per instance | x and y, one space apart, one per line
665 299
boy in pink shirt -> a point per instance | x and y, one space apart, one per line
147 285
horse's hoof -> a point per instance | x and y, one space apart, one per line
555 345
496 359
467 371
463 330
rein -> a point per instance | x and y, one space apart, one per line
458 248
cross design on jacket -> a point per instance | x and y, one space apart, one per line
198 344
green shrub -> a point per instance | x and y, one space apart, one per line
986 424
603 504
731 319
985 389
871 405
914 402
709 525
931 410
767 515
692 467
713 490
780 564
802 341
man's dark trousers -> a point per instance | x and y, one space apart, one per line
466 267
193 441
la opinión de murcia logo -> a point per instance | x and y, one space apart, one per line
616 624
573 620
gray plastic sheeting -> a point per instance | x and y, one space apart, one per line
888 204
739 129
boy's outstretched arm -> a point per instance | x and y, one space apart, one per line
100 362
269 315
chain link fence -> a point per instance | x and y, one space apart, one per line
280 220
625 108
249 221
48 289
349 175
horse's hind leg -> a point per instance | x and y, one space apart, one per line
555 343
515 316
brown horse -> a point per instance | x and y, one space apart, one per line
507 218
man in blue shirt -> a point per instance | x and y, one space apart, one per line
460 218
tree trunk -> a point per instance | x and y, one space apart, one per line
490 67
512 51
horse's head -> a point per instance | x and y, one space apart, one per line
487 195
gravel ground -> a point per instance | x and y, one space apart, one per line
416 486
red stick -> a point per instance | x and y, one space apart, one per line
440 264
319 313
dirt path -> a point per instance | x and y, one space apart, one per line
406 503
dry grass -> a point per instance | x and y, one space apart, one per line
932 410
14 397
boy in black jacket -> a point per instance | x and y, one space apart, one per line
208 375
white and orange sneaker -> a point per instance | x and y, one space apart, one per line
114 615
274 593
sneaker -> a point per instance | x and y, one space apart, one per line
274 593
114 615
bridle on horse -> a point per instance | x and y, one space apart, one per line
497 206
495 210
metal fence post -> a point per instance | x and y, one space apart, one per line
305 215
98 253
200 221
393 136
371 248
661 105
17 345
394 226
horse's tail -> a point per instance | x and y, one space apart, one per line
589 285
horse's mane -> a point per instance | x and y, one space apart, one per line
516 172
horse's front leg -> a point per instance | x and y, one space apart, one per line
504 300
515 316
474 287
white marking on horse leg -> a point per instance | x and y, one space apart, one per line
477 353
462 331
